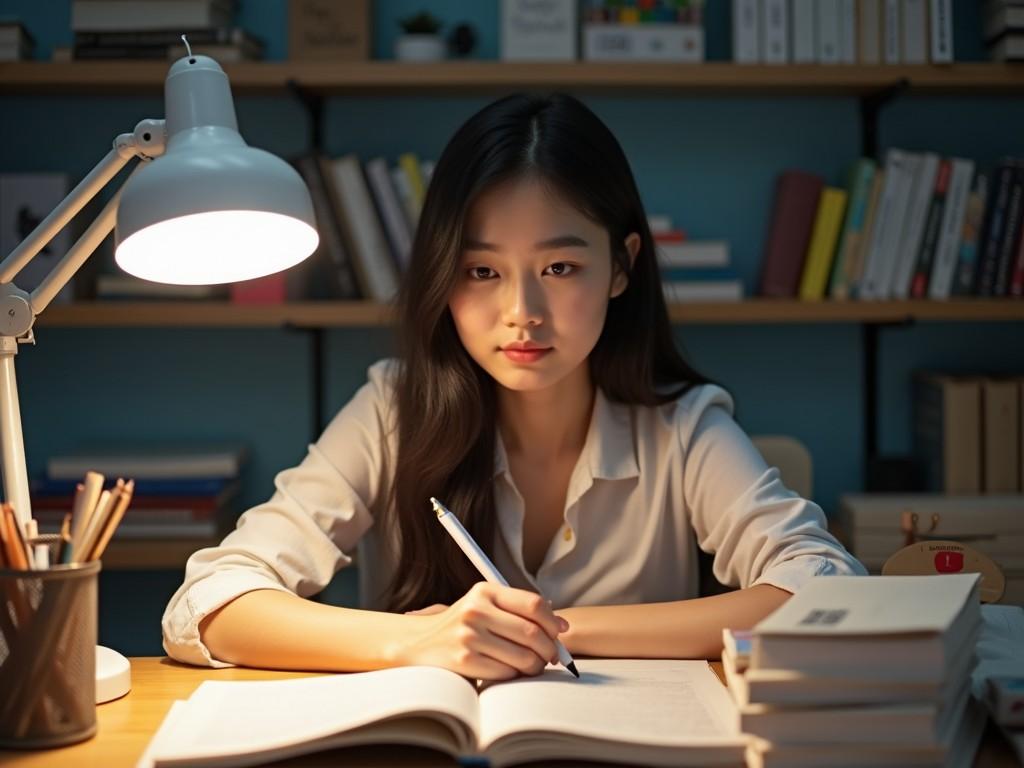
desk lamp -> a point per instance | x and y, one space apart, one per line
201 207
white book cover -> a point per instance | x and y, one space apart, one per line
869 31
941 31
847 32
746 31
390 205
855 606
802 26
532 31
948 247
922 191
828 31
884 238
693 253
150 461
368 239
892 36
915 32
775 31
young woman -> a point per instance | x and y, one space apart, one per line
539 395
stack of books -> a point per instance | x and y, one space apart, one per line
842 31
918 226
1003 26
693 270
181 492
859 671
152 29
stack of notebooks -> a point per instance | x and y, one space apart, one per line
861 671
181 491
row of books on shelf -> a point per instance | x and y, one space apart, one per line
842 31
181 492
918 226
853 670
1003 27
968 432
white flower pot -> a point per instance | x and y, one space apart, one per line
420 48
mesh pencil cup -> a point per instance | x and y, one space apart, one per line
48 656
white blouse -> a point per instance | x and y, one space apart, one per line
651 485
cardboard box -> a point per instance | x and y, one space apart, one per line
327 30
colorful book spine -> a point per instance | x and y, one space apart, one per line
967 264
859 182
932 230
822 248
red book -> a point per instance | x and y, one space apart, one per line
789 232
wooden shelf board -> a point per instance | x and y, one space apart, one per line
376 76
151 554
354 314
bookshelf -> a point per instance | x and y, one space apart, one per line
348 314
873 86
467 76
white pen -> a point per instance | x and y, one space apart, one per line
485 566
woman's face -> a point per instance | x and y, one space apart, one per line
533 269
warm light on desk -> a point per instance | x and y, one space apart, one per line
201 207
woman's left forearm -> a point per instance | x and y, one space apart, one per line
686 629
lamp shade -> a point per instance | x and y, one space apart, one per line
211 209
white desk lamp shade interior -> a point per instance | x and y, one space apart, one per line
211 209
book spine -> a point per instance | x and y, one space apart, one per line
967 265
822 247
801 36
828 31
794 208
746 35
862 175
331 243
1017 280
775 39
952 226
395 223
888 222
914 32
891 33
847 32
162 37
1011 232
932 229
869 31
922 188
942 31
991 233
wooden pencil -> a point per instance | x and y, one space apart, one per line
113 521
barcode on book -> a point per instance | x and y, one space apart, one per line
819 617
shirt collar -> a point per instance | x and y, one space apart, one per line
609 451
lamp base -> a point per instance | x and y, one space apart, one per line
113 675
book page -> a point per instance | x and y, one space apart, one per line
674 703
228 719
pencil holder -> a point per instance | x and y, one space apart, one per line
48 656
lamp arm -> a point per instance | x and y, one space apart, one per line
18 309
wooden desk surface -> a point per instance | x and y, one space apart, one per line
126 725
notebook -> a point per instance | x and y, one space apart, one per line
652 712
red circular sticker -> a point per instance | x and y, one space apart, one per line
949 562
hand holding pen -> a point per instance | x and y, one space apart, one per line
514 600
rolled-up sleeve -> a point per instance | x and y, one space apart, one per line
759 531
296 541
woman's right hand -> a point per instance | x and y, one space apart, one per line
491 633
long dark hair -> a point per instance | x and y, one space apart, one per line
446 403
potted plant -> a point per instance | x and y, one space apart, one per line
420 40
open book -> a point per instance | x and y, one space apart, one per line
653 712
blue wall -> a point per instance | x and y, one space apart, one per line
708 162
